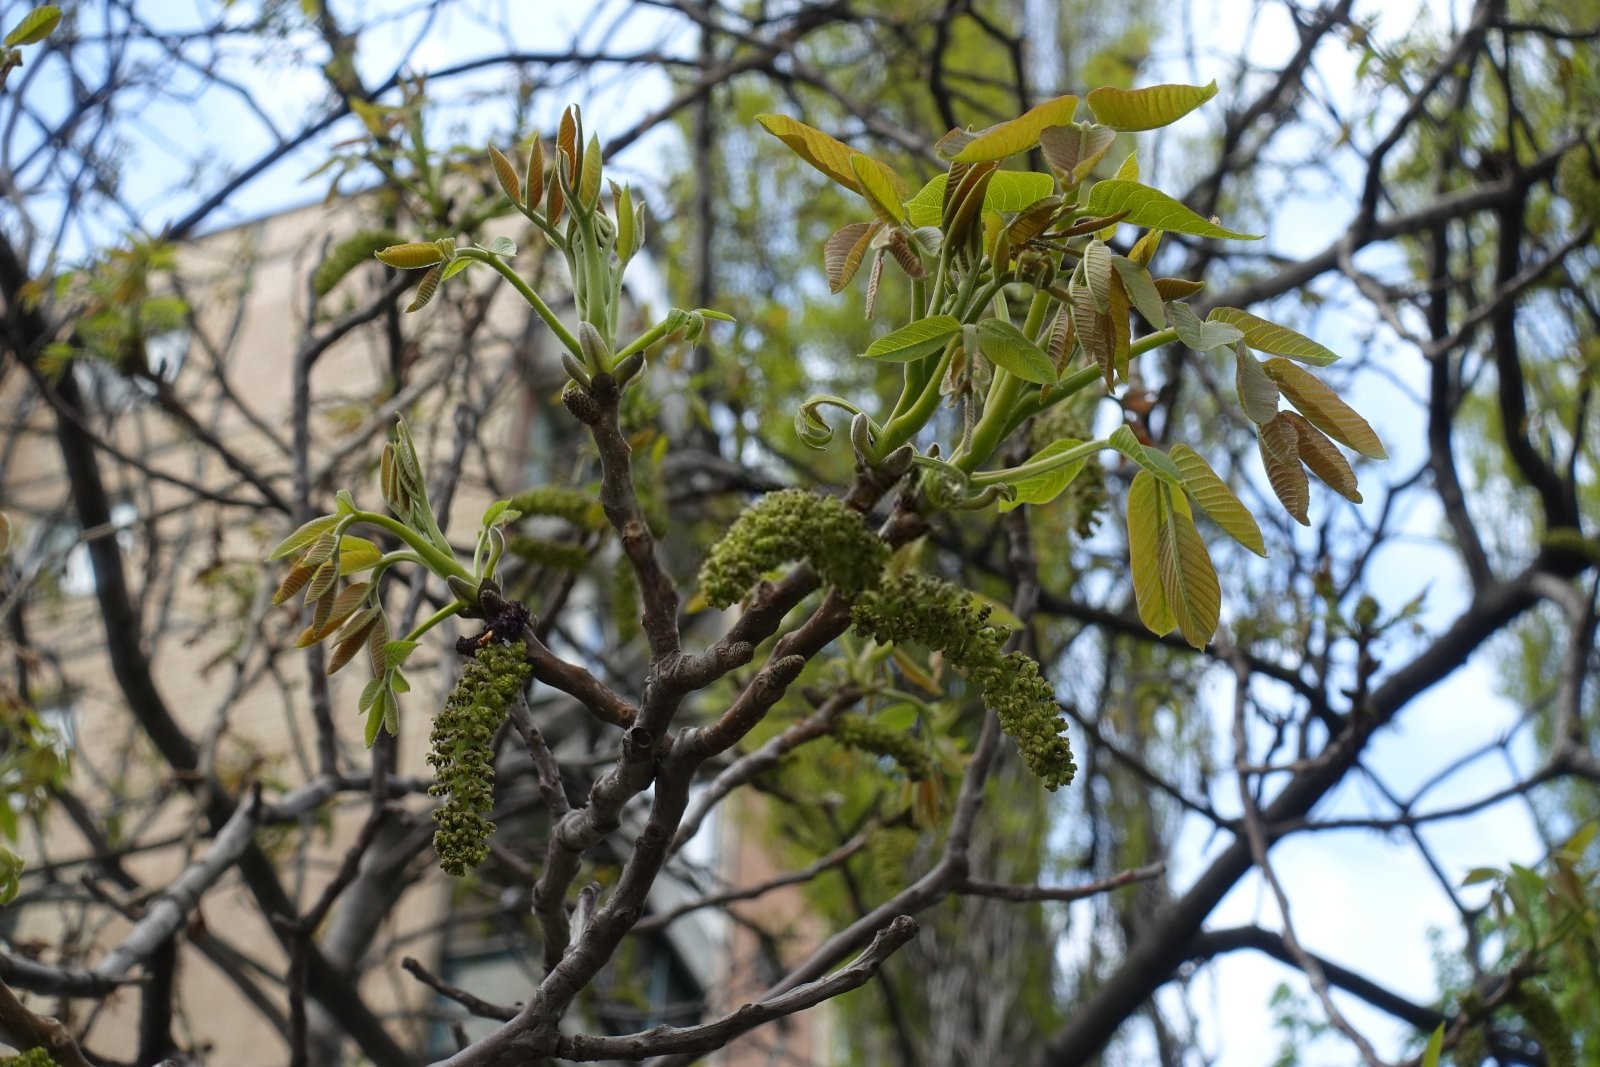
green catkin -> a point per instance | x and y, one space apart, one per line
575 506
34 1057
462 753
923 610
1544 1019
864 735
791 525
563 555
349 254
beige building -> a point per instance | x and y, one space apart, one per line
191 516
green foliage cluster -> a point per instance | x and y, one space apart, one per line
924 610
461 750
865 735
787 526
34 1057
32 765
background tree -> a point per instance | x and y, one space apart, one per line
1452 169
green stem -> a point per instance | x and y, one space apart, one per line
1152 340
435 619
1034 468
643 342
904 426
534 301
1002 399
435 560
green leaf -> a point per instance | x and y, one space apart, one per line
1323 409
370 691
1008 347
1123 440
502 246
395 653
830 156
1258 395
1188 579
1264 336
304 536
1144 537
898 717
1200 336
374 721
1141 291
1216 499
1149 108
1430 1055
357 554
915 339
1074 150
1479 875
1018 134
35 26
1043 488
454 267
1009 191
880 186
1154 210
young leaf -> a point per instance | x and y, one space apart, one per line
1264 336
1279 444
1018 134
1093 329
1324 459
506 175
1323 407
1176 288
357 554
1216 499
828 155
1200 336
880 186
374 719
412 255
395 653
1008 347
1140 290
1188 580
533 175
303 536
1258 396
425 289
1430 1055
1121 329
1097 273
1008 191
589 179
1073 150
915 339
1043 488
1148 108
1144 553
502 246
35 26
1154 210
1123 440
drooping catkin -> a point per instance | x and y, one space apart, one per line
788 526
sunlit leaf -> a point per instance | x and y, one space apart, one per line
1018 134
1279 444
830 156
1008 347
915 339
506 175
357 554
1216 499
35 26
1154 210
1323 407
880 186
1264 336
1430 1054
1200 336
304 536
1125 441
1148 108
1323 458
1188 579
1144 553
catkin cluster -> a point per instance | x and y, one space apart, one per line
462 753
34 1057
864 735
793 525
579 508
924 610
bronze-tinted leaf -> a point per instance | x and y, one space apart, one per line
1279 443
1323 407
506 175
844 251
292 583
533 175
351 642
425 289
1061 338
1324 459
830 156
1018 134
1074 149
1177 288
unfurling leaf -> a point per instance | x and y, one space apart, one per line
1323 407
915 339
844 251
830 156
425 289
292 583
1097 273
1216 499
1125 441
1200 336
1324 459
1018 134
1279 443
1008 347
1148 108
1141 290
589 179
413 255
1144 553
1043 488
304 536
506 175
357 554
1154 210
1073 150
1093 329
1188 580
568 131
1269 337
533 175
